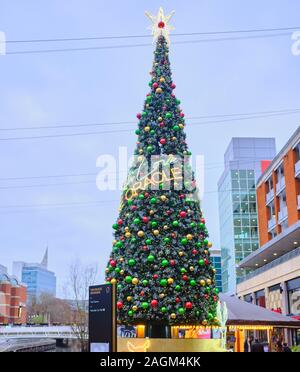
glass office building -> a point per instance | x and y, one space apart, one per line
245 159
36 276
216 261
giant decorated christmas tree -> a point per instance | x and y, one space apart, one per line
160 260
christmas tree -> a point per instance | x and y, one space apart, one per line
160 261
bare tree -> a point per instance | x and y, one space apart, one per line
80 279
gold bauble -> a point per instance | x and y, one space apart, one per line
135 281
189 236
161 295
205 251
208 281
170 281
129 298
126 229
151 212
166 227
122 272
128 235
163 198
156 232
180 253
134 308
140 234
173 316
158 90
114 242
214 271
160 118
147 129
162 79
141 151
202 282
113 281
174 138
181 126
192 268
209 244
121 259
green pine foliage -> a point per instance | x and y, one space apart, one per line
160 260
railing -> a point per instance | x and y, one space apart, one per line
280 185
297 168
270 196
282 215
271 223
37 332
286 257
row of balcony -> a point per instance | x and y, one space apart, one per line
282 216
280 186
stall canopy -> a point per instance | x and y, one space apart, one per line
243 313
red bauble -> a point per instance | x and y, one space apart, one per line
120 222
188 305
142 293
194 251
154 303
162 141
182 214
161 124
145 219
172 262
202 220
181 114
173 86
182 196
177 300
155 276
185 278
122 237
145 248
146 194
206 261
161 24
112 263
119 305
206 296
168 213
138 115
155 85
133 207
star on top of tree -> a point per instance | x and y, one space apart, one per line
160 24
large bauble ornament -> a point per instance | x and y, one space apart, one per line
154 303
140 234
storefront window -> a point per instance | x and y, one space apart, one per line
260 298
293 287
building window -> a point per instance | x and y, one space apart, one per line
297 151
293 288
260 298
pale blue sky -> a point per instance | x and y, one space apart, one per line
221 77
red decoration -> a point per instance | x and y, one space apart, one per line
173 86
182 214
161 124
161 24
133 207
182 196
155 276
177 300
163 141
188 305
202 220
145 219
120 222
146 194
155 85
185 278
139 115
194 251
181 114
154 303
112 263
206 261
119 305
172 262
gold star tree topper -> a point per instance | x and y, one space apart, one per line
160 24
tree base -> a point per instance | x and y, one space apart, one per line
154 330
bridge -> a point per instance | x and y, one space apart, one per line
54 332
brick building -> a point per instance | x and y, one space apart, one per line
13 297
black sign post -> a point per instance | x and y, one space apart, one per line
102 318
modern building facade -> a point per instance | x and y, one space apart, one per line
274 282
245 159
215 256
12 299
37 277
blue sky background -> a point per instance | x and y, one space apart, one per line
212 78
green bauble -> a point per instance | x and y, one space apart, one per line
145 305
176 128
177 288
184 241
150 258
128 279
119 244
175 223
153 200
163 309
148 241
145 282
168 115
154 224
115 226
163 282
193 283
150 148
137 132
141 196
131 262
130 313
117 270
201 262
164 263
181 311
167 240
136 221
183 270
